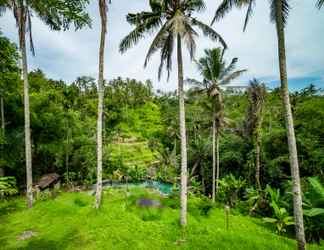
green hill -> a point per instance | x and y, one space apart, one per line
70 222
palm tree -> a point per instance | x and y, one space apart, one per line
279 14
103 16
57 15
320 4
256 93
174 23
215 74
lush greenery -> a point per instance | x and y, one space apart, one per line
70 221
231 141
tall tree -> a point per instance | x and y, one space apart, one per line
103 17
279 11
215 73
174 23
58 15
256 93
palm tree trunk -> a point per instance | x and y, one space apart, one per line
214 159
217 159
22 43
2 129
257 161
182 122
103 15
297 198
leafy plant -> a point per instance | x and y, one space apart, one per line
8 186
314 210
230 188
281 218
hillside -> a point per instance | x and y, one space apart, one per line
70 222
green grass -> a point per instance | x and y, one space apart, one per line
70 222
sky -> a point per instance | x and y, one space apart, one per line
67 55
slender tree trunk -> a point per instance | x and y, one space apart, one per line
217 159
257 161
182 122
214 159
2 129
22 43
297 198
67 149
103 15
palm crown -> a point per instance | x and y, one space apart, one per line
172 18
215 73
58 14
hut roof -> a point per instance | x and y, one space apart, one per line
46 180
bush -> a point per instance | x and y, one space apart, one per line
8 186
314 210
230 189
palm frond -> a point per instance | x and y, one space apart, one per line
157 41
284 8
139 32
166 55
209 32
229 68
225 7
195 83
232 76
194 5
249 13
320 4
29 30
189 38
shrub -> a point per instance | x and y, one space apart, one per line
230 189
8 186
281 218
314 210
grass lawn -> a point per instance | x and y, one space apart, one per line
70 222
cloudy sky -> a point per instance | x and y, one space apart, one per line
67 55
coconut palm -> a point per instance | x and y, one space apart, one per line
215 73
279 11
103 16
256 93
173 22
57 15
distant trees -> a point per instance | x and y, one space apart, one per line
103 16
212 67
174 24
279 12
253 125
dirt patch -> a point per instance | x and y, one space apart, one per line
26 235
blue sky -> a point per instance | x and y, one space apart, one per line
67 55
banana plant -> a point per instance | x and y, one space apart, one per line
281 218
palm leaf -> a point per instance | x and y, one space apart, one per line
320 4
284 11
232 76
209 32
314 212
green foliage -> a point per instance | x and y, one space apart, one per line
281 218
230 189
314 210
8 186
